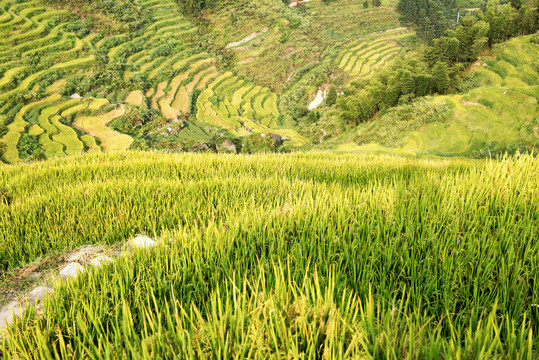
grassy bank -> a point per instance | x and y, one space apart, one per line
301 255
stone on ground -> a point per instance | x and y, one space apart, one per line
142 242
100 260
71 270
227 146
7 312
38 293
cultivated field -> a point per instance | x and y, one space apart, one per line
242 107
300 256
362 56
45 58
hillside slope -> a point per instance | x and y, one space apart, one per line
499 114
61 84
349 256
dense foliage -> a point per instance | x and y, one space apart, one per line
193 8
123 15
437 68
431 18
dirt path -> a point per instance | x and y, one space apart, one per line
246 39
296 3
324 133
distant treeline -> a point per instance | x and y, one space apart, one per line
125 13
436 68
193 8
432 18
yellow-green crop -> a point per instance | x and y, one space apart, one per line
282 256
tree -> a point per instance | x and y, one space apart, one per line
332 96
430 17
313 117
3 148
193 105
441 77
407 82
366 4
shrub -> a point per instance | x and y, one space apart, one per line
3 148
193 104
313 117
486 102
138 121
332 96
29 147
256 143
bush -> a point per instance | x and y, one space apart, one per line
29 148
3 148
486 102
193 104
332 96
138 121
313 117
256 143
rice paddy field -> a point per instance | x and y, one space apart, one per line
498 114
310 256
242 107
47 57
290 44
362 56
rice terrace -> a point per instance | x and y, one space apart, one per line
269 179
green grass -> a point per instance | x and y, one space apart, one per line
273 256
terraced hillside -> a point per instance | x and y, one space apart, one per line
60 84
242 107
362 56
502 115
278 45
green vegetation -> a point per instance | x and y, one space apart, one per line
243 69
143 54
362 56
263 253
241 108
499 116
302 255
440 68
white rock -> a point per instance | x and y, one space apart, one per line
38 293
75 96
320 96
100 260
142 241
72 270
7 312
